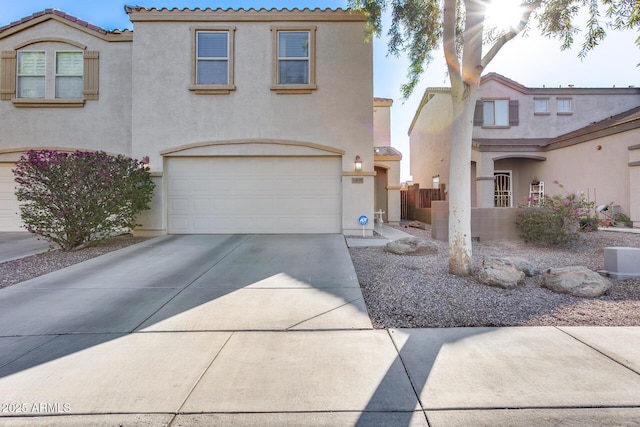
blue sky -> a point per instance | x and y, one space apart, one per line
532 61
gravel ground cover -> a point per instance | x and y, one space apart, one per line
412 292
418 291
19 270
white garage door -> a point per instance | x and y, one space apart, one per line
9 212
254 195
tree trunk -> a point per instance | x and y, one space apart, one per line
460 251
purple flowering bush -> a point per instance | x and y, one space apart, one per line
77 199
556 220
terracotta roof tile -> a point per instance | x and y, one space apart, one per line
62 15
130 9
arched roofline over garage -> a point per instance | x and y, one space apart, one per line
520 156
253 147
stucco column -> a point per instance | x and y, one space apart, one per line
634 185
485 181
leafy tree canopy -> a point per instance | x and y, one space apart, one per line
418 26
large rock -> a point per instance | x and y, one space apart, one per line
411 246
578 281
497 272
528 268
418 224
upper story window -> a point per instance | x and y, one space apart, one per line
31 74
294 62
495 113
565 106
541 106
293 57
69 67
213 58
49 77
213 62
498 113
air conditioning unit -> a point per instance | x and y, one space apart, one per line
621 263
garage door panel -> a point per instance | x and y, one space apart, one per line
9 206
254 195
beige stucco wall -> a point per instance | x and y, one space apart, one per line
429 142
338 114
601 174
588 107
103 124
382 122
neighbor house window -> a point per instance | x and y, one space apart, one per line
294 68
31 74
69 70
564 106
435 183
495 113
213 69
541 106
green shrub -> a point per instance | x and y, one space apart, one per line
556 220
76 199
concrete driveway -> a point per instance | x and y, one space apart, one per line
273 330
19 244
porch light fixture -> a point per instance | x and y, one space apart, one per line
358 164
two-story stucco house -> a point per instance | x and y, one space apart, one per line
252 120
587 139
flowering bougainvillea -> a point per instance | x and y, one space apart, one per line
556 220
75 199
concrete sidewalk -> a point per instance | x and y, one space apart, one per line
272 330
385 234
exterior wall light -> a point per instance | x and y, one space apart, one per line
358 164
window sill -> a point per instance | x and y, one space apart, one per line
541 113
212 89
47 103
569 113
495 127
293 89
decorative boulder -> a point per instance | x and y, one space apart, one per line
528 268
418 224
496 272
577 281
411 246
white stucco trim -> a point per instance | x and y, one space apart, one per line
253 147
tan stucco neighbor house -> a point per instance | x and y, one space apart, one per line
386 162
252 119
587 139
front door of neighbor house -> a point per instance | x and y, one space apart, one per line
502 195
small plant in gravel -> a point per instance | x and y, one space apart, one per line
557 220
76 199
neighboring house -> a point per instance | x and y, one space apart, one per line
251 119
587 139
386 162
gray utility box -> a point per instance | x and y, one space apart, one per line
621 263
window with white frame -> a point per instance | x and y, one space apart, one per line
564 106
69 70
495 112
213 67
435 181
541 106
212 58
62 73
32 66
294 59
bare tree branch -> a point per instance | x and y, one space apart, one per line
514 31
449 43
